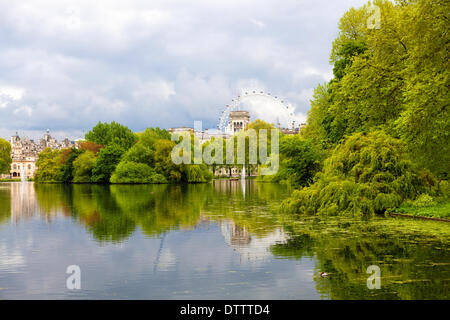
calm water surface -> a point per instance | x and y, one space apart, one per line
223 240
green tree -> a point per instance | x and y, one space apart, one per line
394 78
5 156
196 173
68 156
300 160
163 161
83 166
143 150
49 166
366 175
107 160
112 133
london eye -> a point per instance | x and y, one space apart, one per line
280 106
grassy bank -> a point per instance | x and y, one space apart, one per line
437 210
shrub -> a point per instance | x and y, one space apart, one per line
424 200
132 172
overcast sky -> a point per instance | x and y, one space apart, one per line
67 65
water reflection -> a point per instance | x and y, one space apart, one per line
251 247
207 241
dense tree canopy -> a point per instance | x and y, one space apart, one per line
126 158
83 166
112 133
49 166
395 78
107 160
300 160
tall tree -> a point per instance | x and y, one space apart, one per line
112 133
395 78
108 159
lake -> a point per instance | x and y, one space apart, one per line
222 240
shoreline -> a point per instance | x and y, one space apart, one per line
393 214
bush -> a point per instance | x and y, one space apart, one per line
424 200
365 175
132 172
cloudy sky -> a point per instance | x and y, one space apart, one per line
65 65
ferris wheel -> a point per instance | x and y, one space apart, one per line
237 103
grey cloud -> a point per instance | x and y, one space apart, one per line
158 63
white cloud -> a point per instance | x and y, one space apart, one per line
24 110
158 89
258 23
9 94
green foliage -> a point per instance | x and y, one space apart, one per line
299 161
140 153
107 160
112 155
143 151
49 166
394 78
83 166
149 161
425 207
317 123
112 133
189 173
196 173
344 55
365 175
5 156
67 159
132 172
424 200
163 161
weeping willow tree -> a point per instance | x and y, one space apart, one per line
365 175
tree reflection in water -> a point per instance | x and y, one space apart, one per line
414 256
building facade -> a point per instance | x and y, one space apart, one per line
25 152
238 121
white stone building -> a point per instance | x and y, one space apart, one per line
24 153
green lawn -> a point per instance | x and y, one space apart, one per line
439 210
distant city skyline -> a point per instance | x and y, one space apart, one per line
67 65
